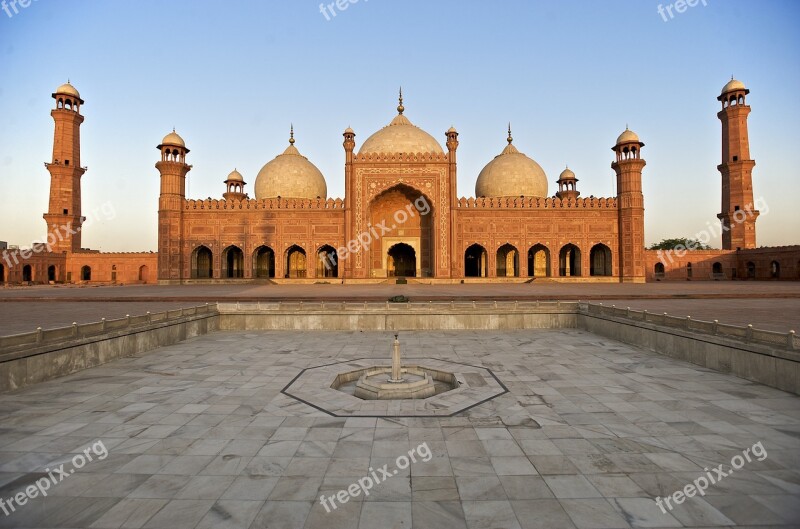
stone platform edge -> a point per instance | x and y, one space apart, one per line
766 357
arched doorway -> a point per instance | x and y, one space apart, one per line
475 261
401 261
404 215
327 262
202 263
569 261
143 273
51 273
507 261
600 260
295 262
86 273
263 262
775 270
27 273
232 262
751 270
688 270
716 270
659 270
539 261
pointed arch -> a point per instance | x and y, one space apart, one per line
327 261
232 262
296 262
263 262
507 261
202 263
539 261
569 261
600 260
475 261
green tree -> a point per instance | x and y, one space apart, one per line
680 243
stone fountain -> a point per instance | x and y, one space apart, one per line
397 381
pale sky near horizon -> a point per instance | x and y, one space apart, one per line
231 76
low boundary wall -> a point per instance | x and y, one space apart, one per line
43 355
767 357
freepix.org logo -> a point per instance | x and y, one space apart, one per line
12 7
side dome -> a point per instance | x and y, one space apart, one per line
511 174
290 175
401 136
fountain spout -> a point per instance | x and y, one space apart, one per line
397 375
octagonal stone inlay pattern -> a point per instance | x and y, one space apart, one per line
312 386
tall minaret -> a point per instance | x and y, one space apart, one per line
63 215
173 169
630 204
738 214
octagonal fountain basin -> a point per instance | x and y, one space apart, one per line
376 383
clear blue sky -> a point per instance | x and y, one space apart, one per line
232 75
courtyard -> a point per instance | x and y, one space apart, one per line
589 433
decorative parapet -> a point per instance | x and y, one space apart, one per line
404 157
536 203
42 338
749 334
316 204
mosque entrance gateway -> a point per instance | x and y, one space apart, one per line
401 261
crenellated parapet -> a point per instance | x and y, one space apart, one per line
403 157
214 204
536 203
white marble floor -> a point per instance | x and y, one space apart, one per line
591 431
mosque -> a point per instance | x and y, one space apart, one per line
401 217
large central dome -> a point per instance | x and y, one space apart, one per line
290 175
511 174
401 136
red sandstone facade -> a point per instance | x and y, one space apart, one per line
428 232
401 217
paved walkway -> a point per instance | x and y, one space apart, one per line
766 305
199 435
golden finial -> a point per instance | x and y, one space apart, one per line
400 107
510 139
291 134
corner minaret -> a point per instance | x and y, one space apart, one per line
63 215
738 214
630 204
173 169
